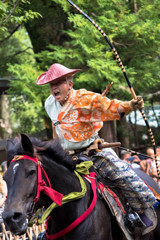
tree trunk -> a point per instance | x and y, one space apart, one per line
108 132
123 132
5 127
49 28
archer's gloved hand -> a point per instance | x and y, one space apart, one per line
136 104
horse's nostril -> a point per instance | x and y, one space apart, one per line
15 221
12 216
16 216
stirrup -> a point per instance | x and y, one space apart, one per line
133 222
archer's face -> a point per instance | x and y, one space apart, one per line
60 89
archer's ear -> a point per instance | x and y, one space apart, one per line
27 144
70 84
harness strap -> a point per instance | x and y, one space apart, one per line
49 191
82 217
66 198
102 186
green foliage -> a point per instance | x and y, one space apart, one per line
13 43
27 111
25 116
12 12
134 32
16 50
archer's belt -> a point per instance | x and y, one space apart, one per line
85 150
77 151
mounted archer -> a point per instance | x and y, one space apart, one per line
78 116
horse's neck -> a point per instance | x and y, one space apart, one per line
62 179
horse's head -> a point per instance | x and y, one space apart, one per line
21 179
34 184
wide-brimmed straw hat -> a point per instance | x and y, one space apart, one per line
56 71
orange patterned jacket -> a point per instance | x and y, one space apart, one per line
83 114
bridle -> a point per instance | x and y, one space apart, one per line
41 185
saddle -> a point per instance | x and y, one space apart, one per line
118 206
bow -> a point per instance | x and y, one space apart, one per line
125 75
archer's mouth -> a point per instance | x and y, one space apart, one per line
57 94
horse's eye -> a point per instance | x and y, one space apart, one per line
31 173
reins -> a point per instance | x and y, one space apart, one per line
67 198
58 198
84 215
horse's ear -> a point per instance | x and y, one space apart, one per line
27 144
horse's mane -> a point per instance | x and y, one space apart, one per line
50 150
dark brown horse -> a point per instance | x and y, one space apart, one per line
22 182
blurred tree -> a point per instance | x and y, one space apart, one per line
13 15
12 46
49 28
15 48
26 100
